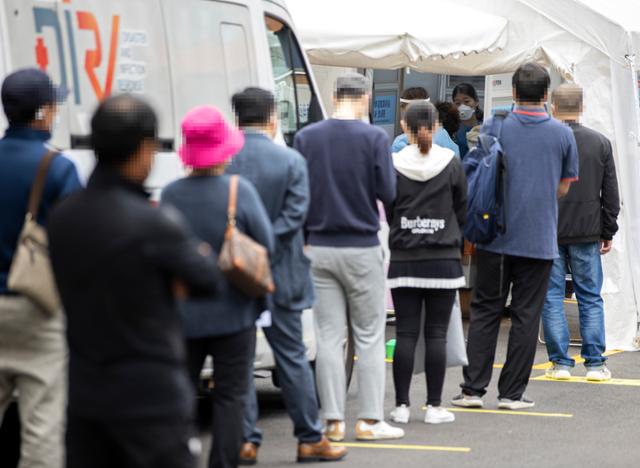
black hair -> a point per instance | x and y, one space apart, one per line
119 126
449 117
412 94
417 92
253 106
469 90
421 115
20 115
531 82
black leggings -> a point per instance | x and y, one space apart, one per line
408 304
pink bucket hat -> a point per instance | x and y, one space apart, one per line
208 139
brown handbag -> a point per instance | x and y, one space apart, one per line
31 274
244 262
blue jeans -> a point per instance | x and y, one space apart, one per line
296 378
586 271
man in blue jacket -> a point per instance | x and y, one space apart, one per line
542 162
280 176
33 350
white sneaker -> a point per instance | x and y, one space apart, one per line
438 415
514 405
601 374
378 431
558 372
467 401
401 414
335 431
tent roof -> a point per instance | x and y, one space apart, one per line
402 33
449 36
611 27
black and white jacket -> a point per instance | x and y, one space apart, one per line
427 215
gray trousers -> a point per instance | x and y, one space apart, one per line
349 279
33 361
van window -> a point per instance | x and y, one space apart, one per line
297 102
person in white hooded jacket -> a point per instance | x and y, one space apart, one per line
425 269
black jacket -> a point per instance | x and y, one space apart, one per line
115 258
426 218
590 210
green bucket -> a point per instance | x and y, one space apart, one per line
391 347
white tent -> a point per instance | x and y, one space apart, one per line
590 42
347 33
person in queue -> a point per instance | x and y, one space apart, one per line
587 222
350 168
465 98
280 176
441 136
223 327
542 162
33 350
425 269
449 119
115 258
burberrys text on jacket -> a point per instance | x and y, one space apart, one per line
422 225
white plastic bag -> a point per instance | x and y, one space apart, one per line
456 345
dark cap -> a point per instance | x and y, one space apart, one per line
352 83
27 90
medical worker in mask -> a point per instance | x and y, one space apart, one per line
465 98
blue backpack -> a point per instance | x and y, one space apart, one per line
485 168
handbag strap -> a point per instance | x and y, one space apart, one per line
233 199
35 197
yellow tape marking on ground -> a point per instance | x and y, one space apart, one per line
495 366
627 382
510 413
577 358
434 448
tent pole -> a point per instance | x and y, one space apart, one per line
631 60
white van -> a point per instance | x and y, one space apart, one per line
178 53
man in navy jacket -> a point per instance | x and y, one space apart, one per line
33 350
350 169
280 176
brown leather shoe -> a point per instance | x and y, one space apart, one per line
248 454
320 451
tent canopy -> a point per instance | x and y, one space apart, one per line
591 42
401 33
456 36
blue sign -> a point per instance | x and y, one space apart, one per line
384 109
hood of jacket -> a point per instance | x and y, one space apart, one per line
419 167
529 115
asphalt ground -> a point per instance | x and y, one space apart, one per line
574 424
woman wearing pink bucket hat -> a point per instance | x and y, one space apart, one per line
223 327
208 140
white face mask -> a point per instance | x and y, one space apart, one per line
466 112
